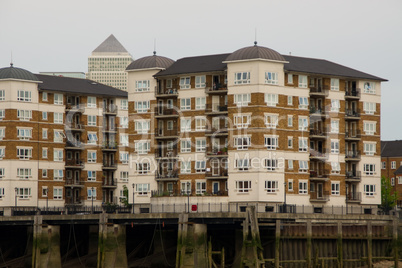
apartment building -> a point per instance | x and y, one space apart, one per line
255 126
108 62
63 141
391 165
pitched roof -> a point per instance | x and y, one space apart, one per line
199 64
17 73
78 86
153 61
319 66
255 52
398 171
391 148
111 44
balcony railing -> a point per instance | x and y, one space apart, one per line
216 131
165 154
76 144
209 108
166 112
319 175
109 165
318 90
110 109
216 173
319 196
75 164
317 133
317 110
109 146
318 153
352 134
353 175
109 182
166 134
166 92
354 197
168 176
74 108
74 182
352 114
352 93
216 89
76 126
355 155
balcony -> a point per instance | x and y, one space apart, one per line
352 114
216 174
320 91
109 183
352 94
165 112
216 90
167 176
319 175
318 155
109 166
168 155
320 196
215 109
77 145
166 134
317 134
77 127
216 132
75 108
352 135
111 129
353 176
74 164
110 109
215 153
354 197
73 202
109 147
167 93
317 111
352 156
74 183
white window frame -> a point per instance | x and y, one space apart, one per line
200 103
243 186
58 99
185 146
369 107
303 103
58 155
185 167
334 146
58 136
91 175
124 104
369 87
2 114
335 84
290 164
241 78
185 124
24 173
141 106
92 138
200 123
242 164
271 164
242 100
124 157
143 168
58 174
335 188
185 82
91 102
185 104
123 139
24 153
369 169
303 144
24 95
200 81
271 78
393 164
303 123
201 145
334 125
271 142
242 120
142 126
44 96
24 193
242 142
24 115
91 155
142 189
335 105
200 187
335 167
303 81
200 166
271 186
123 121
124 176
142 85
369 189
369 148
271 120
91 120
303 187
303 166
271 99
369 127
142 147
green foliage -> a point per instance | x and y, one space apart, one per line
124 199
388 200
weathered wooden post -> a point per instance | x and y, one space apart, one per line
395 242
308 253
339 245
369 244
277 242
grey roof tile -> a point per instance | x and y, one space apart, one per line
111 44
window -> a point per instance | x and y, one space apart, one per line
290 142
2 95
290 185
184 82
142 147
143 168
271 186
169 104
57 193
124 176
58 174
24 173
303 81
290 164
303 123
185 124
44 96
201 145
142 85
91 120
123 156
3 133
383 165
303 102
2 174
303 145
200 103
369 169
290 100
242 78
91 175
392 181
200 187
44 115
369 189
185 146
200 81
58 118
123 121
124 139
44 153
369 128
271 120
290 78
242 121
303 187
91 102
44 133
186 187
200 166
242 143
58 99
335 84
243 186
124 104
242 164
91 193
91 156
303 166
393 164
290 120
142 127
169 125
334 126
24 193
200 123
58 155
271 164
44 173
170 145
58 136
169 83
271 142
2 114
242 99
185 167
369 87
335 105
24 115
369 148
335 188
185 104
271 78
369 107
141 106
399 180
92 138
24 153
24 96
335 146
336 168
271 99
142 188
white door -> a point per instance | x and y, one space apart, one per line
215 103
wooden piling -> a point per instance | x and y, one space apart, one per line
339 246
308 248
369 244
277 242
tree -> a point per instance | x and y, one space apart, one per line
124 199
388 200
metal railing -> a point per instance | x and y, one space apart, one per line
166 133
319 196
352 154
166 91
353 174
165 111
209 108
352 134
352 113
354 196
354 92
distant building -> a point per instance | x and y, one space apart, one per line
391 164
108 62
66 74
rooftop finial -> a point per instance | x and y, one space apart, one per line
11 63
155 46
255 42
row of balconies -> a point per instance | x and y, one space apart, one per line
211 89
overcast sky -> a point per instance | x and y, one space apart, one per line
59 35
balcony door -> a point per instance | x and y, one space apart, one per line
320 190
215 103
215 167
215 187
